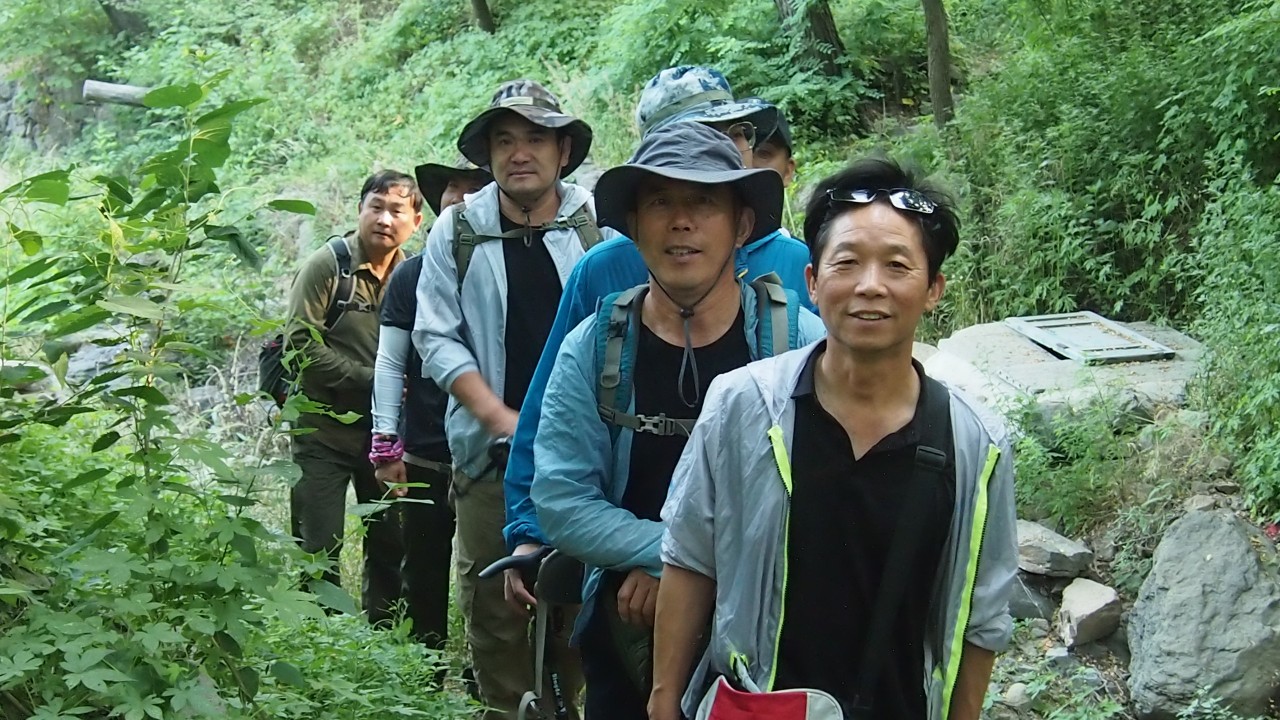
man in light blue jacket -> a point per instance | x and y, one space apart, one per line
491 279
685 94
845 522
628 383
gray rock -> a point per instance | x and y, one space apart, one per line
1039 628
1226 487
1207 617
1199 502
1045 552
1090 611
91 361
1028 602
1196 419
1219 466
1088 679
1017 697
1059 658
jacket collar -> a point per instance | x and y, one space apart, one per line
482 205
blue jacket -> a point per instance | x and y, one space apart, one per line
581 474
613 266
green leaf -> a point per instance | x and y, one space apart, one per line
364 510
32 270
174 96
85 478
47 310
248 681
226 112
82 320
105 441
288 674
89 534
30 240
334 597
237 242
51 187
301 207
147 393
227 644
132 305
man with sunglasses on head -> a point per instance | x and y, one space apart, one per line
845 522
679 94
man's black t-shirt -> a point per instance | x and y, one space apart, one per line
656 377
533 294
422 413
844 512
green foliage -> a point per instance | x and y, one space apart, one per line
1204 706
135 580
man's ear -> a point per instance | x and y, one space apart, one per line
417 218
811 283
566 148
746 223
790 175
935 291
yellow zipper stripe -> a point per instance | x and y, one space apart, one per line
783 462
971 577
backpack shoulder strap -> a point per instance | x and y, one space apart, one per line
617 332
930 463
585 225
775 322
345 289
465 240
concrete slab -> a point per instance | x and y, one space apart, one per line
1005 370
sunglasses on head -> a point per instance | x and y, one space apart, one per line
742 132
901 198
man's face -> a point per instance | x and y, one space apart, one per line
770 154
459 186
387 219
737 130
871 284
525 159
687 232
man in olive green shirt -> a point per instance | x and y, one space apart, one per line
338 371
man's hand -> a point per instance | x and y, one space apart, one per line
392 472
513 583
501 422
664 706
638 598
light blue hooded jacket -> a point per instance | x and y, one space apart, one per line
727 517
581 474
456 332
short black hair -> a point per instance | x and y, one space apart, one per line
382 181
940 229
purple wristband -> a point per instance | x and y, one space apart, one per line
386 449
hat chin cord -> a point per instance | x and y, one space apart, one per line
688 362
528 222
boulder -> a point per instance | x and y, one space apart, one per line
1028 602
1018 697
1199 502
1207 616
1090 611
1044 552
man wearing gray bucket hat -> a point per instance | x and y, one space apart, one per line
492 275
629 381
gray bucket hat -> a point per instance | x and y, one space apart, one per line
533 102
695 153
433 178
698 94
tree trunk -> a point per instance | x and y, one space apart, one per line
935 28
484 18
105 92
818 31
131 23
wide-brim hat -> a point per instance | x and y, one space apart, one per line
698 93
694 153
433 178
533 102
760 113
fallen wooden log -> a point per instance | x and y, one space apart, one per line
114 93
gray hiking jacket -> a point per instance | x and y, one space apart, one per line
456 332
727 517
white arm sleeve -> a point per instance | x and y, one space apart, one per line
388 379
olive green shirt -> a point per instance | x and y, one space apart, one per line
339 369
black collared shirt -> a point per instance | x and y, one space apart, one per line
843 516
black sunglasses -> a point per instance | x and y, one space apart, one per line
901 198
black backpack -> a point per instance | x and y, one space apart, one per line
274 378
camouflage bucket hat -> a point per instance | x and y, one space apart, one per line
433 178
692 93
533 102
